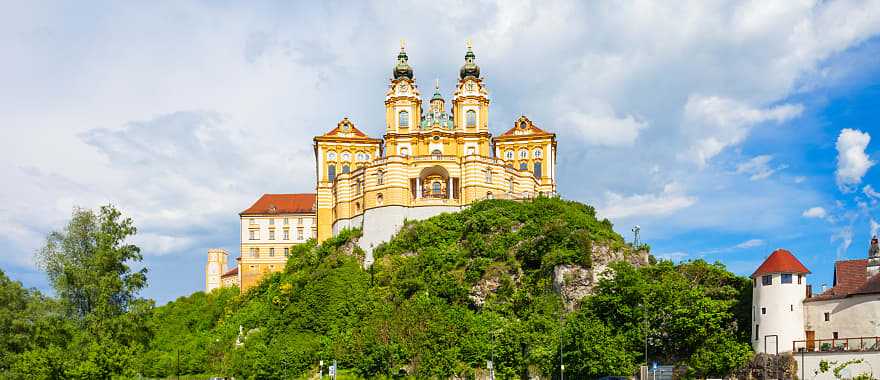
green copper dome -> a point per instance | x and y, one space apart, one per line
469 69
402 69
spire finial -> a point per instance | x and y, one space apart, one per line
468 42
402 44
437 83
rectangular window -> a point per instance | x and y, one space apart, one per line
286 234
272 235
834 335
271 252
763 310
253 252
253 235
767 280
286 252
299 221
792 307
272 222
800 279
786 278
756 332
299 233
286 221
252 221
537 170
827 317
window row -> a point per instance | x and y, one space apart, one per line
524 154
300 234
345 156
255 252
786 278
470 117
284 221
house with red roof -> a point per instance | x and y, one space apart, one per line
788 317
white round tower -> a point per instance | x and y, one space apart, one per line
779 287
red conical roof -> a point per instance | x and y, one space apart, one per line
781 261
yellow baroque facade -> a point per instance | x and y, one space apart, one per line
428 162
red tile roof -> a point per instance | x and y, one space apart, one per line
850 278
231 272
282 204
781 261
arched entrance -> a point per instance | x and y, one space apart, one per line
434 182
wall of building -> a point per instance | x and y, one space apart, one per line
854 316
810 363
782 320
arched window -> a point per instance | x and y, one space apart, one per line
523 125
523 166
436 152
379 198
357 206
508 155
488 175
489 195
537 170
404 151
523 154
331 172
537 153
471 117
380 177
346 156
471 151
331 156
510 184
435 188
403 119
345 169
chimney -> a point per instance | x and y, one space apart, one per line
809 291
873 266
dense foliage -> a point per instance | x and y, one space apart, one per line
416 309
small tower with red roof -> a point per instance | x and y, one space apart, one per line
779 289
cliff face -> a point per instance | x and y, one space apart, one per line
574 282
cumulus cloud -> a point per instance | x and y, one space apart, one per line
758 167
604 129
815 212
852 162
875 227
671 199
714 123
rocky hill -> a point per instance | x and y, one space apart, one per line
502 279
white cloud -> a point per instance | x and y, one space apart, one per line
800 179
845 236
672 256
869 191
758 167
604 129
815 212
852 162
714 123
671 199
751 243
875 227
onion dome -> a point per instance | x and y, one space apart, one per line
437 95
402 69
469 69
781 261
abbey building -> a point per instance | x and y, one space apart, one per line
433 158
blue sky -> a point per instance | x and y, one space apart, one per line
724 129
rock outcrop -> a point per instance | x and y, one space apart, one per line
573 282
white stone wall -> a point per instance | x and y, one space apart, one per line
851 317
380 223
810 363
783 319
